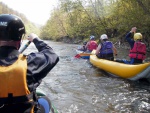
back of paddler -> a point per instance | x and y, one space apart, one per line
20 75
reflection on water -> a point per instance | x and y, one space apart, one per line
75 86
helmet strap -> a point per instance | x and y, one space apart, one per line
15 44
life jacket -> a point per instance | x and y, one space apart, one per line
92 45
13 83
138 51
106 48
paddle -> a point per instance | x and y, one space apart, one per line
86 54
83 54
77 56
24 47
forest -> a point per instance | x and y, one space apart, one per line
78 19
75 20
30 27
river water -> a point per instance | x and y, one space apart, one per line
75 86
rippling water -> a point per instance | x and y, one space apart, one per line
75 86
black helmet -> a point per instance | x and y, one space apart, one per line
11 28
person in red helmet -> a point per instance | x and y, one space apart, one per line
91 45
21 74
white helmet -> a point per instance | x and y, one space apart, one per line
103 36
92 37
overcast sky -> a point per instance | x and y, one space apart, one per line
37 11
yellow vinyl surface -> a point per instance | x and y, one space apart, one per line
116 68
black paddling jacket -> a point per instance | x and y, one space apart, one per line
38 64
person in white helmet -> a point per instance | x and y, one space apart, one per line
106 49
92 44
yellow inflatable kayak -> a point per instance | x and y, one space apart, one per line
132 72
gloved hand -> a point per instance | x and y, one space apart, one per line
32 36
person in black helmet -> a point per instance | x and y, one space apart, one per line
82 48
20 75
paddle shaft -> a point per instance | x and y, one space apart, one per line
85 54
24 47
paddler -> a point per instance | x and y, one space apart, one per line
20 74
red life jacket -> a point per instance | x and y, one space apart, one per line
138 51
92 45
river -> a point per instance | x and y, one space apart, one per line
75 86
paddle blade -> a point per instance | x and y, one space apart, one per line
77 56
